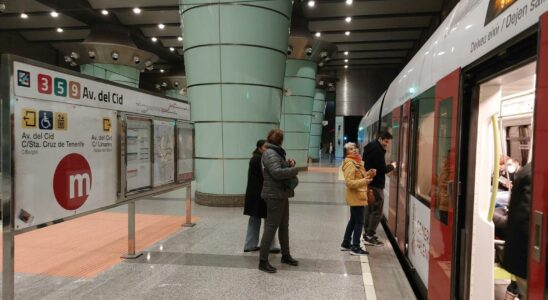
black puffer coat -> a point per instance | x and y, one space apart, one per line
254 204
275 172
517 232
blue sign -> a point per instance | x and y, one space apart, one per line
45 119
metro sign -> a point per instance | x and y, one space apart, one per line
72 181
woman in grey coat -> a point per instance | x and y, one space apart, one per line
280 176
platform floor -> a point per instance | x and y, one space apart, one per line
208 262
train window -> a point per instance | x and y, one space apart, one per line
423 108
518 142
443 159
395 131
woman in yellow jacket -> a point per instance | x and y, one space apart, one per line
356 179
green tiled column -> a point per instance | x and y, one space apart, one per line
300 81
235 56
173 93
317 126
116 73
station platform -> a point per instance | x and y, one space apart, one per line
207 261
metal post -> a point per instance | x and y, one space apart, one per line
8 268
131 232
188 210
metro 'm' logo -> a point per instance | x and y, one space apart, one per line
72 181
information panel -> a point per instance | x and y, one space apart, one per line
64 156
164 152
185 140
139 163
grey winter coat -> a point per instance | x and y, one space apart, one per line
275 172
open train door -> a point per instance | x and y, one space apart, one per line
539 202
444 187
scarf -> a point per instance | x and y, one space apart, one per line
356 157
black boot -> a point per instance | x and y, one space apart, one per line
287 259
265 266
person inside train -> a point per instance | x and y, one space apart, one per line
254 206
356 180
508 167
374 158
515 258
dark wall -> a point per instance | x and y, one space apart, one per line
351 125
358 89
11 42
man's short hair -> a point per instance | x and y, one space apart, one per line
275 136
385 135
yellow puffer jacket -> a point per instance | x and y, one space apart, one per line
356 180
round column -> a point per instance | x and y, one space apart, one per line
300 82
317 126
234 61
116 73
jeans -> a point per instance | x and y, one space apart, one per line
373 214
252 237
277 216
354 226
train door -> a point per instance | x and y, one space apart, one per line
402 175
443 193
537 277
392 179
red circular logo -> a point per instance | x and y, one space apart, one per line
72 181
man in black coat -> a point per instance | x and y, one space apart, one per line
373 157
517 231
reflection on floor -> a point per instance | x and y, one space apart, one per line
207 261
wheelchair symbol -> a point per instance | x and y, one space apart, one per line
45 120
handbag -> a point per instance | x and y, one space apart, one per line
370 196
291 183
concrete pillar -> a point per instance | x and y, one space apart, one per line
300 82
235 56
317 125
125 75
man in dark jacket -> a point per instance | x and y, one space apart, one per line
517 231
373 157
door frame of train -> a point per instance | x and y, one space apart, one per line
402 215
392 200
539 200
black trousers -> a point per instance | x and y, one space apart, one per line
277 217
373 212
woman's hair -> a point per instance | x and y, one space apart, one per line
347 148
275 136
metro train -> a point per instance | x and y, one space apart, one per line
474 95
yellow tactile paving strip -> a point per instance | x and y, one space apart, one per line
87 246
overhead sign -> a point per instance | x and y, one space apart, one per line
41 83
65 160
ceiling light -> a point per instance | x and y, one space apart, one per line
136 10
320 64
74 55
164 84
176 83
67 58
323 54
136 59
59 29
91 54
348 19
150 68
289 49
308 51
349 2
311 3
171 49
54 14
104 12
24 16
346 53
161 26
347 33
73 64
346 60
148 63
161 70
154 39
115 55
180 39
346 66
318 34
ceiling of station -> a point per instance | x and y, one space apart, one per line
382 33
